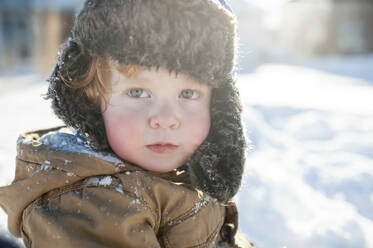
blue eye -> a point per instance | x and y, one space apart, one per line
138 93
189 94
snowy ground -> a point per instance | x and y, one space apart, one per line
309 177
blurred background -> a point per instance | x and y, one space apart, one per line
305 71
270 30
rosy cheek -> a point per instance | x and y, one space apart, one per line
124 135
205 128
200 128
111 133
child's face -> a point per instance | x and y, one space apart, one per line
156 120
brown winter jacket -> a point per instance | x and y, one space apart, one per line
66 195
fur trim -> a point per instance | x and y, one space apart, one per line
71 105
194 37
217 166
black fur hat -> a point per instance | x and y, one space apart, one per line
194 37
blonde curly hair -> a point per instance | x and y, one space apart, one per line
95 84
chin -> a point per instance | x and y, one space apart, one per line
157 168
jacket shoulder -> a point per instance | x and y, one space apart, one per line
94 212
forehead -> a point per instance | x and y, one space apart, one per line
156 78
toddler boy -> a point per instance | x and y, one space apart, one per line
155 150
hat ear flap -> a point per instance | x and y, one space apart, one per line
73 61
217 166
70 103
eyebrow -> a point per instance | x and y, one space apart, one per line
139 80
145 80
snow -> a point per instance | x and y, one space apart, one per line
119 188
309 175
105 181
63 139
93 181
46 166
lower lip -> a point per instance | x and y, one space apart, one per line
162 148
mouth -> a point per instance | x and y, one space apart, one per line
162 147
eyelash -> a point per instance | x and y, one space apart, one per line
193 91
148 95
138 89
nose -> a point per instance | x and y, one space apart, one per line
165 117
